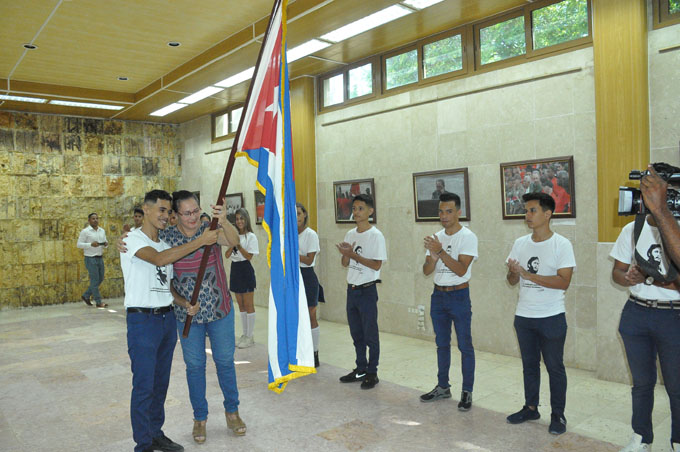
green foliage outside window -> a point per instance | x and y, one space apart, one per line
333 90
443 56
560 22
402 69
673 6
503 40
361 81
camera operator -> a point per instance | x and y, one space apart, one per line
650 321
653 189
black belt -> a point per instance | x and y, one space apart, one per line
162 310
451 288
95 257
658 304
363 286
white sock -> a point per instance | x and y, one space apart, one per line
244 322
251 324
315 338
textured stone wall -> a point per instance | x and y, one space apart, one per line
54 171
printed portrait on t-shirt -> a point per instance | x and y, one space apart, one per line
655 256
532 265
358 250
449 249
649 248
161 275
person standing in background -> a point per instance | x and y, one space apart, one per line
242 276
92 240
308 249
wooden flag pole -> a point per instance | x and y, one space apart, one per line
225 181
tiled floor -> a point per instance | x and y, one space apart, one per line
65 382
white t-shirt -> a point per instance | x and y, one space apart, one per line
308 242
371 245
146 285
462 242
248 242
648 243
543 258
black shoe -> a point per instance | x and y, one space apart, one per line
437 393
86 300
353 376
316 359
558 424
523 415
370 380
465 401
165 444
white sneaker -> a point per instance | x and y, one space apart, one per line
636 445
240 340
675 447
247 342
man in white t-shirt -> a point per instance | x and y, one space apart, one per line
92 240
649 325
542 263
151 324
450 253
363 252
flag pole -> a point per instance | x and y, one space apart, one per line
225 181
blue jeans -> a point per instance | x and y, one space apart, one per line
95 268
544 336
151 343
646 332
447 307
362 317
221 334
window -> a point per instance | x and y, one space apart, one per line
443 56
503 40
360 81
666 12
225 123
674 6
559 22
333 90
234 119
221 125
401 69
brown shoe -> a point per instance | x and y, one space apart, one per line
86 300
102 305
199 431
235 423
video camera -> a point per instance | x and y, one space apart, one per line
630 198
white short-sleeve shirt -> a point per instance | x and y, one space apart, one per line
308 242
249 243
146 285
647 246
369 244
543 258
462 242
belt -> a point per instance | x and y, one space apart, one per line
363 286
95 257
658 304
451 288
162 310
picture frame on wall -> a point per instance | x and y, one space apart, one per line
344 191
259 207
234 201
427 186
554 176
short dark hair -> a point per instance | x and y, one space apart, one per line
365 198
153 196
90 215
182 195
304 210
544 200
139 210
448 197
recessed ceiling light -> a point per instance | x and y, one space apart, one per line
35 100
309 47
174 44
68 103
421 4
366 23
236 79
167 110
30 46
123 79
202 94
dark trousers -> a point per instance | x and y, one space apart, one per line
362 317
95 269
151 343
647 332
448 307
543 336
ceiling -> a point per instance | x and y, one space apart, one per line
83 46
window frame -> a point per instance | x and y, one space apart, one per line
563 45
213 121
392 53
462 31
345 71
661 15
513 14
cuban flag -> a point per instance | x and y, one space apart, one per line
264 138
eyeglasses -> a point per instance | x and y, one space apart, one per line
190 213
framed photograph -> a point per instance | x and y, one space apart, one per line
344 191
554 176
259 207
233 202
428 186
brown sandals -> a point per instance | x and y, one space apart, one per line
199 431
235 423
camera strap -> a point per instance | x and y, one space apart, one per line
643 263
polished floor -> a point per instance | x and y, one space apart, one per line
65 385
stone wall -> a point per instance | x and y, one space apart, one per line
54 171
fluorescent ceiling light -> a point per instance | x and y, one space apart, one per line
236 79
367 23
305 49
68 103
200 95
35 100
421 4
167 110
